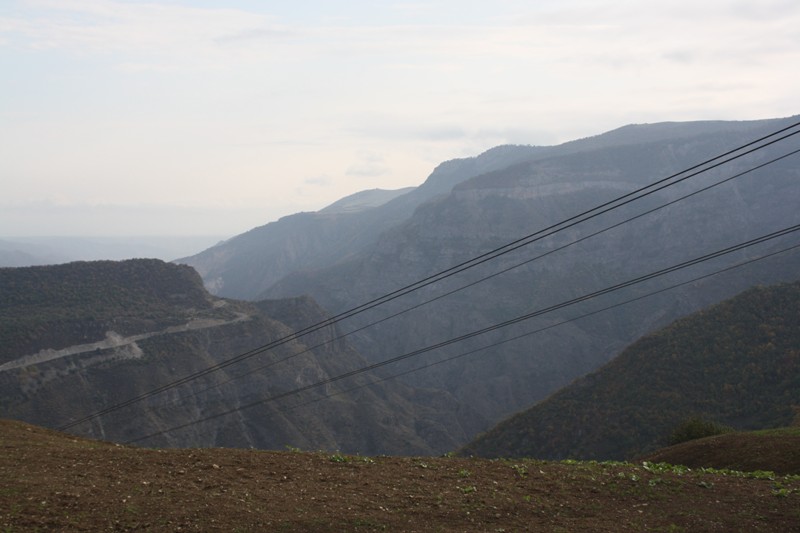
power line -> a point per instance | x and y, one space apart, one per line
485 278
497 252
545 328
613 288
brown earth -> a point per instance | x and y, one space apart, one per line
777 450
52 481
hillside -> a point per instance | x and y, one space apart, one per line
80 337
57 482
736 363
470 206
777 450
364 200
60 305
246 265
484 211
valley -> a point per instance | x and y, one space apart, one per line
203 351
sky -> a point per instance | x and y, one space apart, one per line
210 117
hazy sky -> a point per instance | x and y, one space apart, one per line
212 117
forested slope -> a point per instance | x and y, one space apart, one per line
736 363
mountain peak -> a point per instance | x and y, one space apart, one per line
364 200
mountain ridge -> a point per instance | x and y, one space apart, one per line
472 206
118 330
736 363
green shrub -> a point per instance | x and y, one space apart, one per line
697 428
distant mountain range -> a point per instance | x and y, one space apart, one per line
737 363
471 206
33 251
81 336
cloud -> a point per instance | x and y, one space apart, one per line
370 165
395 128
273 34
367 170
160 33
318 181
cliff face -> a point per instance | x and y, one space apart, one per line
247 265
468 207
500 206
174 329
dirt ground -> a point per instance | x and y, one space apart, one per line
50 481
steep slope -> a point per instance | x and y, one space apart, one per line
737 363
80 337
248 264
500 206
364 200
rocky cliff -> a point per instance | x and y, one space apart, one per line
81 337
471 206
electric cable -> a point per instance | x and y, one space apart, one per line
542 329
524 241
485 278
679 266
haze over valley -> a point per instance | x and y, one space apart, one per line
205 346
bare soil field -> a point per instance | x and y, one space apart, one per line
56 482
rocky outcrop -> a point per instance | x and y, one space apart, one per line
470 206
62 382
503 205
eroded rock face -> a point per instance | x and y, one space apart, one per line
62 382
466 207
508 202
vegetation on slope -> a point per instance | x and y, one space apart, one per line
73 306
737 363
59 305
772 449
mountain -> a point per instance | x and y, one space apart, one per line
498 207
38 250
247 265
736 363
80 337
471 206
17 254
364 200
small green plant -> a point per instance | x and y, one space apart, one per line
469 489
779 490
520 470
338 458
293 449
464 473
660 468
